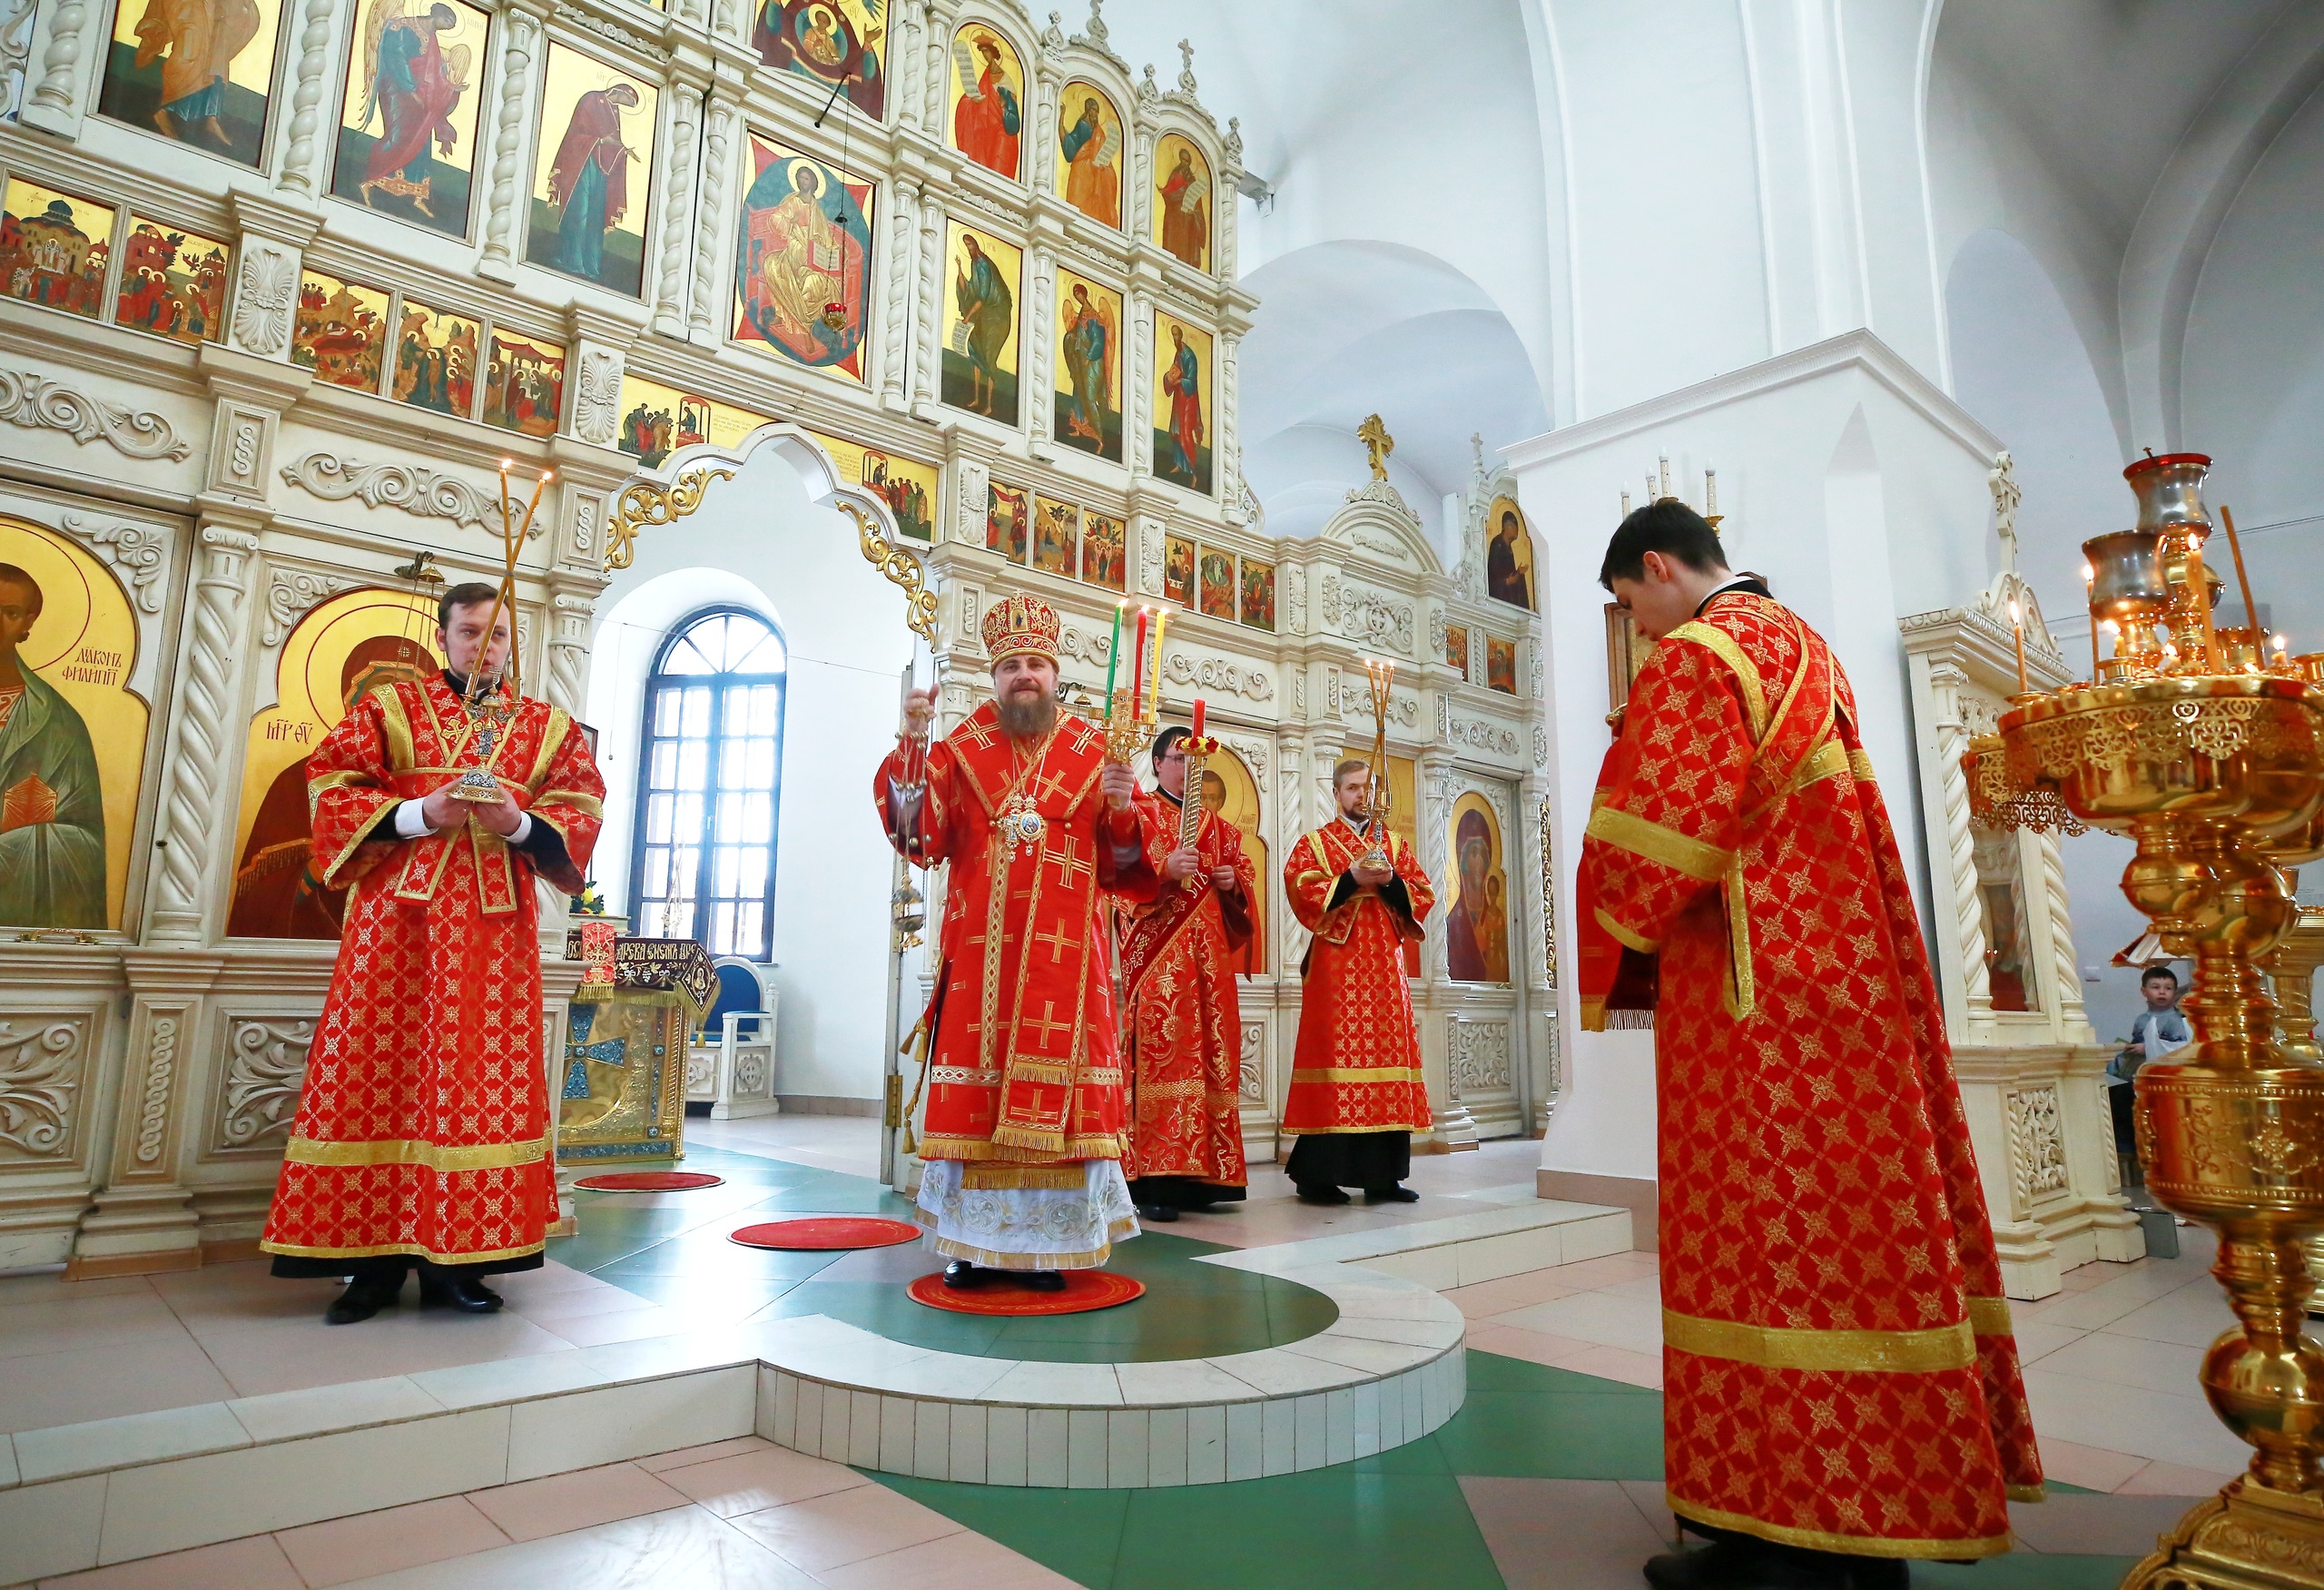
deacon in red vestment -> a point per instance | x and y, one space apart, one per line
1841 1387
1185 1028
422 1130
1025 1123
1357 1092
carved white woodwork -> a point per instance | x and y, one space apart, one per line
266 285
721 128
266 1065
413 487
597 396
1249 1075
680 198
520 34
302 167
2037 1146
61 64
202 744
42 1064
140 553
40 402
290 594
1217 673
1477 1055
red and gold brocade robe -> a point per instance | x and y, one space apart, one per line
1839 1371
423 1125
1357 1064
1185 1025
1025 1077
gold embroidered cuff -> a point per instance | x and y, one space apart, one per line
1860 768
1829 760
1772 1347
307 1151
1990 1317
1627 831
1639 941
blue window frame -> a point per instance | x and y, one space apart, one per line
710 785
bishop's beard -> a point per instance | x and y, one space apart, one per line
1028 714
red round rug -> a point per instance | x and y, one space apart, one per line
827 1231
649 1181
1085 1290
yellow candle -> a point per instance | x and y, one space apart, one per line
2017 628
1161 622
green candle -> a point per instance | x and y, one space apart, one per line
1114 655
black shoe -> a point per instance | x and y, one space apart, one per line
1159 1214
1041 1280
961 1275
464 1292
365 1296
1397 1194
1315 1192
1755 1565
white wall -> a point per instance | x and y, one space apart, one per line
1858 489
759 542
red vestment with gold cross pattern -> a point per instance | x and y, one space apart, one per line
1025 1075
1186 1024
1357 1066
423 1125
1838 1368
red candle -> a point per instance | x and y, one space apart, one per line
1138 679
1197 718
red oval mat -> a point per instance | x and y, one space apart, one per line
1085 1290
650 1182
830 1232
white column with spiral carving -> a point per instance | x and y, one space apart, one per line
55 103
520 38
196 831
1040 347
671 300
927 363
308 156
1226 445
898 241
722 130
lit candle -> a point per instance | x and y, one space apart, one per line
1161 620
2090 591
2017 628
1114 655
1137 667
2282 643
1197 718
1710 491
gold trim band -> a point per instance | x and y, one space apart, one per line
1990 1317
438 1156
412 1250
1860 768
984 1175
1359 1073
1773 1347
1829 760
1639 941
1627 831
1863 1545
1728 650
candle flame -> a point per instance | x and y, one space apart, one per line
2014 614
2089 575
548 475
2110 626
2281 642
507 465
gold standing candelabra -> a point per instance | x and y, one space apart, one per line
2193 744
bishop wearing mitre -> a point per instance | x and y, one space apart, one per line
422 1136
1025 1119
1840 1382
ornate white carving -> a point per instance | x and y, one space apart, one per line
1252 752
60 61
1330 599
266 1065
701 1080
161 1065
1377 618
290 592
140 552
40 1071
2037 1144
522 30
1295 597
569 648
262 298
975 505
1149 557
17 20
671 305
597 397
1540 746
1476 1055
586 506
1247 1065
611 31
1214 672
1090 648
1481 734
199 748
1387 497
2112 1160
718 134
300 167
410 486
32 400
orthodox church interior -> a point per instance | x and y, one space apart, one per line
760 349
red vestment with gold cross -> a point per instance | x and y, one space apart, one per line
1838 1366
1025 1077
423 1125
1357 1064
1185 1025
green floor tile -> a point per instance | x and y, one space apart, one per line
1076 1534
1339 1528
1421 1457
1554 1436
1492 1372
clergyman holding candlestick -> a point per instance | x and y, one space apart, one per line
1026 1110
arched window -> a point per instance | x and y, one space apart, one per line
712 775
